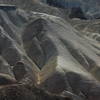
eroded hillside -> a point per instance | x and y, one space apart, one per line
44 54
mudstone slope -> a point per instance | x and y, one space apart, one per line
45 56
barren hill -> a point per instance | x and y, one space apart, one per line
50 53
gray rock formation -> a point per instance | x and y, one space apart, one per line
55 57
89 28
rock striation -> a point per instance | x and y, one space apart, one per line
52 55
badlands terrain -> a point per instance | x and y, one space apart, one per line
49 51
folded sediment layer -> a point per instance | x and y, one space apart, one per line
56 55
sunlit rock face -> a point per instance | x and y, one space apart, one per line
53 55
90 28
